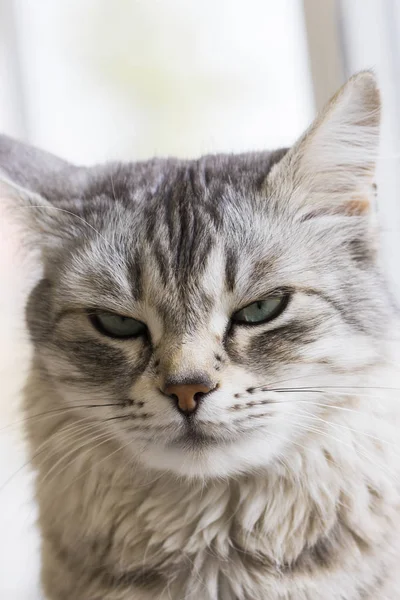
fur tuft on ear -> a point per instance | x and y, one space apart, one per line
331 168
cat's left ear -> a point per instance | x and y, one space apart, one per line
331 168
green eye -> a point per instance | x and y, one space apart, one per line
262 310
117 326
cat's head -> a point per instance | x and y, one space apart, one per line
195 305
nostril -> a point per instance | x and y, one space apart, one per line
188 395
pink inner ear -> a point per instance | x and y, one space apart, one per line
360 205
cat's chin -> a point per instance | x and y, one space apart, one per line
208 460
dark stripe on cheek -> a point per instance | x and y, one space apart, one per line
271 348
103 364
284 343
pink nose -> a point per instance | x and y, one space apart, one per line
187 395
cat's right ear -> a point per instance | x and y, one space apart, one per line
27 174
42 226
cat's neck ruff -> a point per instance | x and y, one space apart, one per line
328 505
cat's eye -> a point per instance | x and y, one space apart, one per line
117 326
262 310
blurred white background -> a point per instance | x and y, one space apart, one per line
93 80
131 79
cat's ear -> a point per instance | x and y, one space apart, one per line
331 168
32 168
42 226
29 179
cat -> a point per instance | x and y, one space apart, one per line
212 407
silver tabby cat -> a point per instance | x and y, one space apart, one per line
211 407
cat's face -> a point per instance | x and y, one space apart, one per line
192 305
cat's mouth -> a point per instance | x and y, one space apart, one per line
194 436
195 439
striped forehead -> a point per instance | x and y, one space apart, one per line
184 298
179 251
204 273
228 277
